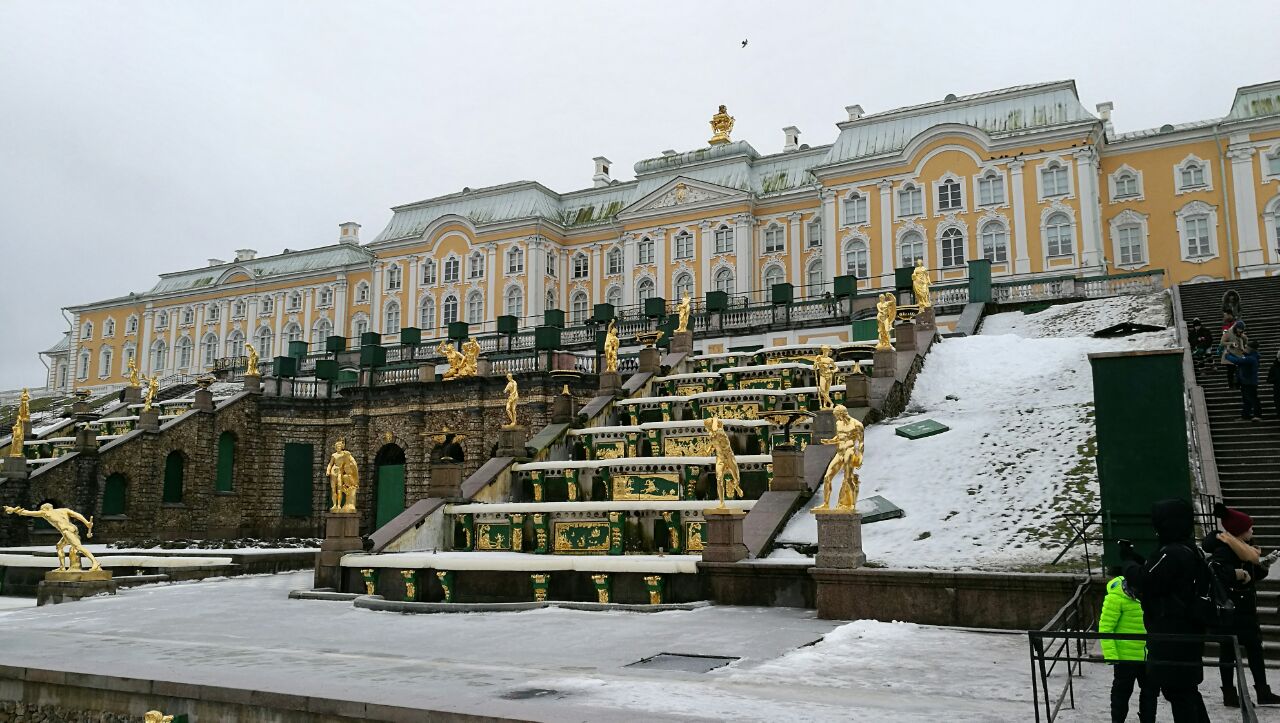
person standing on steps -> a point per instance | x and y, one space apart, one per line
1234 341
1246 366
1201 341
1122 613
1239 567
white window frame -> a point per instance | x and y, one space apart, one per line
209 353
778 243
324 298
952 233
264 347
105 355
987 227
450 300
901 244
183 347
267 306
1130 219
322 324
855 209
723 239
427 312
1271 221
645 251
109 328
428 277
159 355
723 280
779 275
475 307
614 296
86 331
1047 215
613 262
235 343
900 208
1192 210
813 240
475 265
295 301
860 268
683 282
391 317
82 366
131 325
513 302
579 307
682 243
1113 184
959 206
1206 169
212 312
238 308
359 325
515 261
581 266
188 316
362 293
1049 163
1271 164
814 278
645 289
990 175
451 264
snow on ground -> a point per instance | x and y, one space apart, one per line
1019 401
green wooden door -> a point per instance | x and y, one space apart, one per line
173 474
113 495
226 461
298 480
390 493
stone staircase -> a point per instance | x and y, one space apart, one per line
1247 453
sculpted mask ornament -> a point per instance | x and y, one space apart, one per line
344 478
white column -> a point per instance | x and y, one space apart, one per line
224 311
492 272
1246 207
144 351
595 276
409 311
308 301
340 306
829 238
743 252
1090 228
1021 261
175 318
279 345
375 298
535 265
660 262
794 244
886 236
197 332
628 269
706 251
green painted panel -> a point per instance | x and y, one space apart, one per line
390 494
864 330
298 479
113 495
226 461
921 429
172 493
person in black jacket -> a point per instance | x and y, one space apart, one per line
1239 567
1201 341
1167 585
1247 377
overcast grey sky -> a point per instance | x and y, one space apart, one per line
144 137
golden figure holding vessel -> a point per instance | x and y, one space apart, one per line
728 478
824 368
886 312
849 445
344 478
920 285
611 344
251 366
512 390
683 310
68 547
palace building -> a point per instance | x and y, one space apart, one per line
1025 177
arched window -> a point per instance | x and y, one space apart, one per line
391 319
159 355
449 310
173 473
949 198
395 277
952 248
475 307
683 286
475 265
724 240
613 261
814 278
550 300
86 331
578 307
114 499
131 325
1053 179
1192 175
1129 243
321 332
645 250
515 302
104 362
263 342
451 265
1195 233
814 229
109 328
684 245
772 275
1126 185
515 260
427 313
613 296
325 297
1057 235
235 344
429 272
237 310
224 480
910 248
162 319
990 189
910 202
211 312
855 209
292 332
183 348
856 259
362 293
995 242
644 290
360 326
268 305
209 350
724 280
581 266
82 369
775 239
188 316
295 301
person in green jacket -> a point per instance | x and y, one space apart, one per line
1122 613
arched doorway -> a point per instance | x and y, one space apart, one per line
388 492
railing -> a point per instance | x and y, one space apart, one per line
521 364
402 375
1141 282
1082 526
1043 289
950 295
311 389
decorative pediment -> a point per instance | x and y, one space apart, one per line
684 192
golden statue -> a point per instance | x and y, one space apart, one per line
455 359
61 520
886 312
512 390
133 373
728 479
16 442
251 367
155 716
21 422
344 478
682 309
824 367
470 357
611 348
681 192
857 368
721 126
920 285
848 459
153 386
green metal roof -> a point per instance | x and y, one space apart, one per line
266 267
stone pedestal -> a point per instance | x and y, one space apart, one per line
562 411
341 536
610 382
512 441
81 409
856 390
149 421
446 480
203 401
823 427
86 440
905 336
133 395
650 358
788 470
682 342
884 363
839 539
61 586
253 384
724 535
926 320
14 468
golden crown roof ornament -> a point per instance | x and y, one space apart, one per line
721 126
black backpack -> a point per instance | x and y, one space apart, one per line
1212 604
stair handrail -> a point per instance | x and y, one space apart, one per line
1204 464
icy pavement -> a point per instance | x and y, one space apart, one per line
1019 401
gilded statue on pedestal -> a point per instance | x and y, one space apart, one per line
886 312
153 386
721 126
682 310
20 424
728 478
611 344
824 367
155 716
470 357
457 362
512 390
133 373
847 460
251 366
920 285
61 520
344 478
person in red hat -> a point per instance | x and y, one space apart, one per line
1239 565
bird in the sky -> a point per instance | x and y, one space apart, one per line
744 43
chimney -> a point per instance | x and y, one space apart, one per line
216 262
245 254
601 179
855 111
793 139
668 152
1104 112
349 233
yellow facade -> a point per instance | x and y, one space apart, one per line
1024 176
